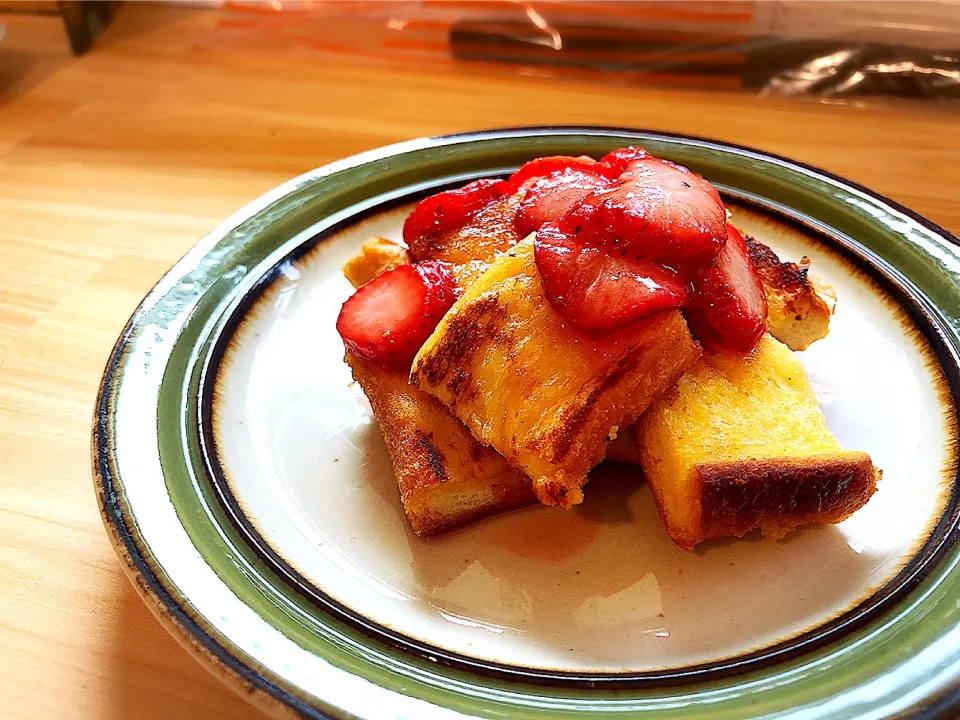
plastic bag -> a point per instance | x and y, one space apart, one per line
822 49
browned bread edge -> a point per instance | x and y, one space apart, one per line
779 495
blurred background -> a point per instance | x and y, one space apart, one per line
786 47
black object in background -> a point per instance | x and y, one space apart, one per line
765 64
83 20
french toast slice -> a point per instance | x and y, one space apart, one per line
432 506
446 478
798 314
545 395
798 311
375 257
471 248
740 443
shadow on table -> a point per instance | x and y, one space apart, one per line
19 71
152 676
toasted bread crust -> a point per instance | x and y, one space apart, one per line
776 495
797 315
376 256
781 494
740 443
465 337
786 277
446 478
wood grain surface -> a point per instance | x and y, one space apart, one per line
112 165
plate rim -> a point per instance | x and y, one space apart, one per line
120 522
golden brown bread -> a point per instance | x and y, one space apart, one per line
470 249
735 496
378 255
545 395
778 495
375 256
447 479
740 443
797 314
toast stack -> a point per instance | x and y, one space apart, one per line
507 404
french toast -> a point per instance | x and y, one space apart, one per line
798 312
740 443
376 256
446 478
782 280
503 370
545 395
470 249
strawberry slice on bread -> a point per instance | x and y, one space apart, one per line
388 319
550 198
451 209
729 305
546 166
657 210
599 292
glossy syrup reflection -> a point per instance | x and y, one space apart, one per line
603 585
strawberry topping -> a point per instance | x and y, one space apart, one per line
656 210
617 240
612 251
542 167
452 209
617 160
549 198
388 319
598 292
729 307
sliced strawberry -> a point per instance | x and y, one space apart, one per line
658 211
729 308
548 199
388 319
618 160
452 209
542 167
596 291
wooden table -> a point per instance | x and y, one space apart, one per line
113 165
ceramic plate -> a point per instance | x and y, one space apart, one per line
245 483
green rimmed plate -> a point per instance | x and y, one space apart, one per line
242 479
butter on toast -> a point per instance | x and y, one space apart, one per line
447 479
545 395
797 313
740 443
